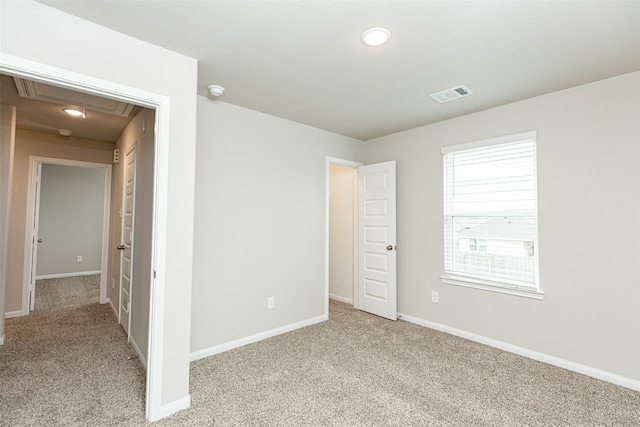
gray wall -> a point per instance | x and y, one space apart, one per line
259 222
7 145
589 206
71 220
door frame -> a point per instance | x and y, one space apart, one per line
355 165
16 66
31 249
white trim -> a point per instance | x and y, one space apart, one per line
155 353
76 274
340 298
521 351
175 406
221 348
10 314
499 287
524 136
2 340
341 162
141 358
28 236
16 66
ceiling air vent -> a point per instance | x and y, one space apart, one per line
451 94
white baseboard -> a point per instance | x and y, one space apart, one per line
175 406
57 276
143 360
542 357
341 299
2 340
10 314
217 349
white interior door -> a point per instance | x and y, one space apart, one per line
34 236
126 263
377 287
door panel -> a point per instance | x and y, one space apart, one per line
377 287
126 263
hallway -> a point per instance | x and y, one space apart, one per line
69 366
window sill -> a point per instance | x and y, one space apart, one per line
485 285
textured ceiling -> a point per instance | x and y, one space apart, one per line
303 60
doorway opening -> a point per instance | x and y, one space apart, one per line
341 232
157 239
70 228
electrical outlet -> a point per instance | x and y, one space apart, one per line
79 258
435 297
271 303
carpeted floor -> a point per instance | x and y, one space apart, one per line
67 292
354 370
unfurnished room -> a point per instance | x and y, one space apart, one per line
305 213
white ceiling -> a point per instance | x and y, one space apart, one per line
303 60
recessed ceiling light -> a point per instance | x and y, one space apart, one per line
73 112
375 36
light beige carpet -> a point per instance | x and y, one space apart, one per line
67 292
69 367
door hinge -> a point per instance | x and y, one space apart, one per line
154 274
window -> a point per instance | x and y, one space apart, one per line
490 215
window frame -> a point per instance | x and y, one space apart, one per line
494 284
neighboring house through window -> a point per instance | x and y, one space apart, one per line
490 215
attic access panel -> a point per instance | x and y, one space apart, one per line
58 95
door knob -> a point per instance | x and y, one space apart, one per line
39 240
390 247
120 248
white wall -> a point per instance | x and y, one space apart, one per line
70 221
38 33
589 206
341 229
259 223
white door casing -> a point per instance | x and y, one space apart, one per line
126 247
377 283
35 220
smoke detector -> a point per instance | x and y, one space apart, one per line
64 132
451 94
216 90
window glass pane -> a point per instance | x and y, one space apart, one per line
491 212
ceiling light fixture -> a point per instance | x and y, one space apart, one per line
375 36
75 113
216 90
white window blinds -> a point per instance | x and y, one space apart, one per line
490 212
